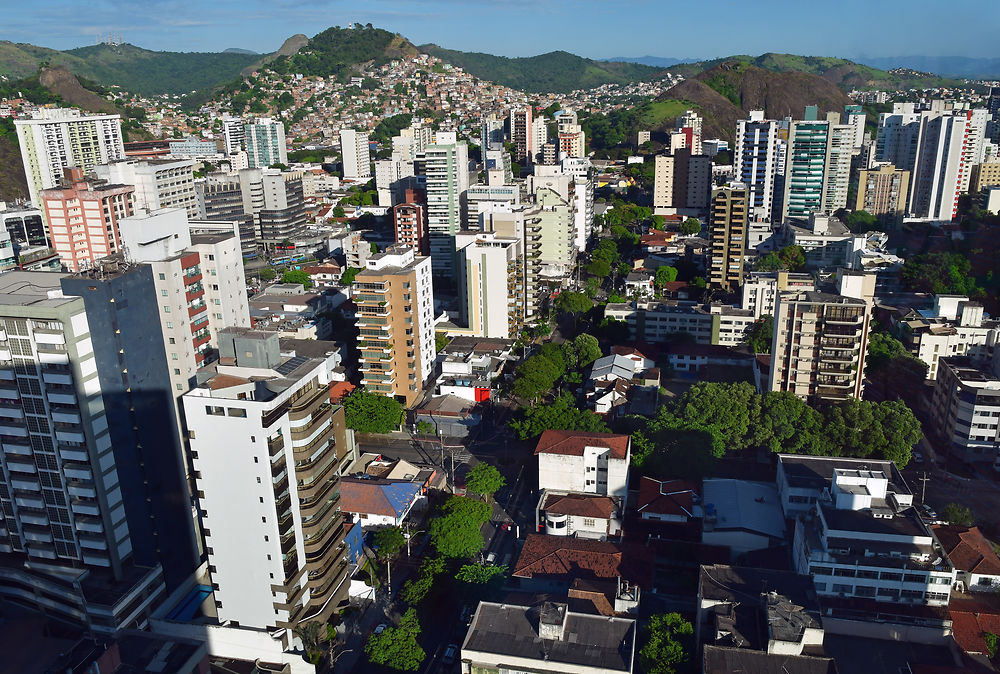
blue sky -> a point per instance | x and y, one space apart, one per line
846 28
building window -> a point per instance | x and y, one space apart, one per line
166 309
588 522
163 277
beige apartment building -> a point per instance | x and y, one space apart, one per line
728 227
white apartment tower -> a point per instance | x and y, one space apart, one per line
158 183
756 163
355 154
58 138
268 448
234 134
491 272
265 142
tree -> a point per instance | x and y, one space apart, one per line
724 410
955 513
311 634
416 590
338 211
760 334
658 222
397 647
297 276
573 302
440 341
456 532
562 414
940 273
347 278
586 349
598 268
668 643
792 257
387 542
267 274
665 275
484 480
861 222
536 376
690 227
787 424
480 582
372 413
900 431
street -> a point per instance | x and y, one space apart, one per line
513 517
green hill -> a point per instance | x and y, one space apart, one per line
845 74
555 72
137 70
337 50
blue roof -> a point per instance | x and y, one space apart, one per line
377 497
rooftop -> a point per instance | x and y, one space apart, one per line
377 497
580 505
597 642
667 497
743 505
719 660
574 443
817 472
968 549
562 558
32 288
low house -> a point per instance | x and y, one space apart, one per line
582 462
372 502
642 362
977 567
971 622
609 399
675 501
553 563
695 357
639 283
470 367
581 515
325 274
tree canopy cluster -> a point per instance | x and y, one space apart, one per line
789 258
669 640
484 480
455 532
372 413
760 335
297 276
603 258
539 373
561 414
690 227
713 419
939 273
397 647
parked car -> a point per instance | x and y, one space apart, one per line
918 457
449 654
929 512
380 628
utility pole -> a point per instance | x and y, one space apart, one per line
923 486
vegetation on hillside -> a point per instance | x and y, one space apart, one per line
336 50
554 72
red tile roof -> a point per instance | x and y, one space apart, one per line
968 549
563 558
340 390
626 351
666 497
969 627
573 443
580 505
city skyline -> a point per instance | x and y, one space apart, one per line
858 30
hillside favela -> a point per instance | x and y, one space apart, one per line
499 338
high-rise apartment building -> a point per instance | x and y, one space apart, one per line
984 175
965 407
198 282
572 141
521 135
480 198
837 173
58 138
807 146
689 124
268 448
756 163
551 233
395 318
265 142
83 218
355 154
854 116
491 272
77 535
539 137
220 199
939 167
681 182
498 159
166 183
727 225
274 198
391 179
447 173
234 134
409 220
412 141
820 344
882 191
491 134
